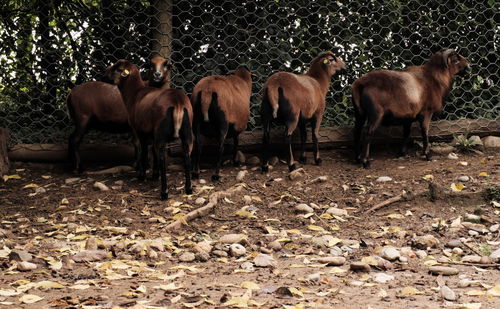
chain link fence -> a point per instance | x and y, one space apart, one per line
49 46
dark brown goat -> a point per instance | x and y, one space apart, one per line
221 107
297 99
99 105
162 115
388 97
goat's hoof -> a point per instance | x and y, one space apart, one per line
303 160
164 196
195 175
265 169
292 167
428 157
318 161
215 177
189 190
366 164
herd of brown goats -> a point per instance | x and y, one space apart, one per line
219 108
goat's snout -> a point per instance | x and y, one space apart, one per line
157 75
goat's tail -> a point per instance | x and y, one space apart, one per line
357 93
177 115
273 96
205 99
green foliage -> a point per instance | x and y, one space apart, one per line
465 144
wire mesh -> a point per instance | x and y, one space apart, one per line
47 47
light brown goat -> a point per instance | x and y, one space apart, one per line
221 107
162 115
99 105
296 99
401 97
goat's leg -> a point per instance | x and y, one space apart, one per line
266 131
74 146
424 127
290 127
358 128
159 150
303 139
142 153
368 133
236 141
315 122
406 135
188 188
196 151
220 141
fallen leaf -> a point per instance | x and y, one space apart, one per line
250 285
494 291
7 177
79 287
238 301
315 228
409 291
483 174
475 293
245 214
428 177
457 187
30 298
395 216
469 306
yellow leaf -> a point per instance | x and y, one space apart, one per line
326 216
250 285
80 287
256 198
409 291
7 177
48 285
334 241
315 228
294 231
469 306
167 287
494 291
463 163
30 298
9 292
178 216
457 187
189 268
337 270
483 174
245 214
370 260
238 301
142 288
298 306
31 185
475 293
395 216
428 177
296 292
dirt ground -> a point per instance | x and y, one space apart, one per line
132 261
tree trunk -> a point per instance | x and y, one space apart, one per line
161 28
4 159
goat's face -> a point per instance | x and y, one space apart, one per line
455 63
332 64
119 71
159 68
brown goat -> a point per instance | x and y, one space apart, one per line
221 107
99 105
388 97
296 99
161 114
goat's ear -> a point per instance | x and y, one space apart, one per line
446 56
169 66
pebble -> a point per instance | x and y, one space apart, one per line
407 252
273 161
40 190
426 241
303 208
481 228
241 175
336 251
187 257
157 244
202 181
452 156
20 255
463 178
275 245
296 174
314 277
247 266
472 218
264 260
202 256
457 251
321 241
90 256
454 243
495 255
360 266
219 253
200 201
237 250
26 266
254 160
421 254
320 179
473 233
384 178
101 186
494 228
203 246
232 238
382 277
332 260
72 180
447 293
334 211
390 254
491 141
91 243
403 259
443 270
471 259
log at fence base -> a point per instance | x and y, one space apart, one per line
202 211
394 199
4 159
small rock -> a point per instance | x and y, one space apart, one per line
457 251
495 255
297 174
494 228
91 243
473 233
390 254
382 277
90 256
72 180
203 246
241 175
202 181
240 157
407 252
471 259
454 243
273 161
202 256
447 293
314 277
426 241
452 156
265 250
26 266
200 201
443 270
322 241
40 190
237 250
360 266
187 257
491 142
334 211
20 255
472 218
304 208
480 228
219 253
152 254
264 260
247 199
319 179
332 260
463 178
336 251
464 283
275 245
403 259
384 178
443 150
101 186
421 254
232 238
247 266
254 160
485 260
